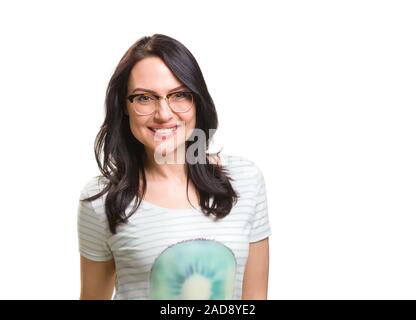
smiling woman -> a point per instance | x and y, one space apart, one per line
157 229
155 121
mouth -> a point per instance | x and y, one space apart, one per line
163 132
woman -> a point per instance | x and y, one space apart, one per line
165 219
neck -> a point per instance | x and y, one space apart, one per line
166 171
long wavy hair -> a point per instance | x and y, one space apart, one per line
121 157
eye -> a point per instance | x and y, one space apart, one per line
143 98
179 95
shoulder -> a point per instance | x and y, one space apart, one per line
93 186
243 171
238 163
90 188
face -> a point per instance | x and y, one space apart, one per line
151 73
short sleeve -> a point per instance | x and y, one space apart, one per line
260 226
92 233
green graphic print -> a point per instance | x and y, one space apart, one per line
193 270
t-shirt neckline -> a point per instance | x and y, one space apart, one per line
151 205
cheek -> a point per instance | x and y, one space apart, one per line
138 128
190 123
189 119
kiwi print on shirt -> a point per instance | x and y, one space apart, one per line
166 253
194 269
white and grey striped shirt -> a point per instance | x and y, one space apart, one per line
166 253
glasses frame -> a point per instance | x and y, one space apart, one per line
166 97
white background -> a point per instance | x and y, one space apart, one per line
320 94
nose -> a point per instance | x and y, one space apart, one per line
163 112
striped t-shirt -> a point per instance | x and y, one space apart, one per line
164 253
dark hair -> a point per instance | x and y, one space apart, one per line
124 156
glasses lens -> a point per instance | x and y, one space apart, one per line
144 103
181 101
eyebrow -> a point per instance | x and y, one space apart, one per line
154 92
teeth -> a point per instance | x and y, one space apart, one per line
164 130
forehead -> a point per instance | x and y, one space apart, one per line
152 73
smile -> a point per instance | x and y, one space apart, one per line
164 132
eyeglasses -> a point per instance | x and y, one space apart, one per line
146 103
